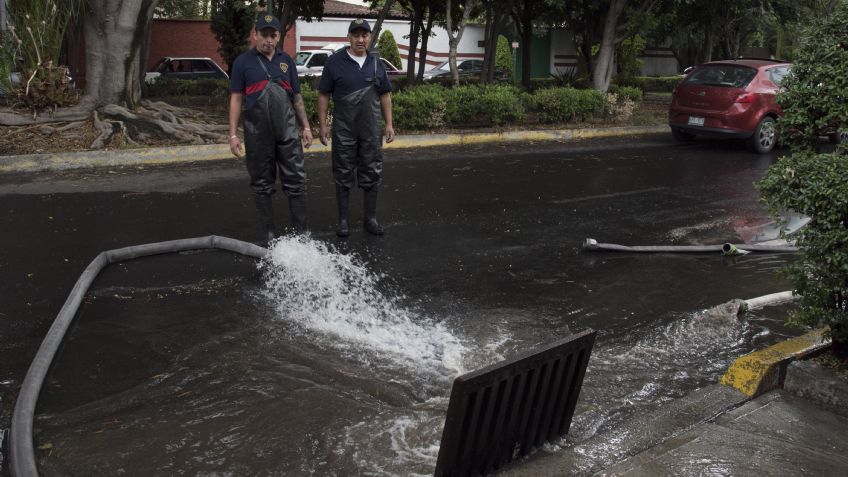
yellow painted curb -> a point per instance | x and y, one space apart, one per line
763 370
173 154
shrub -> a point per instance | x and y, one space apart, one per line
499 104
628 56
231 23
618 107
461 104
164 87
387 46
629 93
503 55
559 105
422 107
813 97
652 84
814 185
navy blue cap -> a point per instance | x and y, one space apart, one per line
359 24
267 21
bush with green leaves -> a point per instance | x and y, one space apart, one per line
652 84
163 87
562 105
35 36
419 108
814 184
387 46
629 93
503 55
814 96
232 23
629 56
500 104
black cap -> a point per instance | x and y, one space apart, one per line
359 24
267 21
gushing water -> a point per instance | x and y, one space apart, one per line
334 299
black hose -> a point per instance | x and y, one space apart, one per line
21 452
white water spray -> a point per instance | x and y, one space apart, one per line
336 296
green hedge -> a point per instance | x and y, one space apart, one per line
164 87
650 84
627 92
419 108
560 105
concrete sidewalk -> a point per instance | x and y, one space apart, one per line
174 154
800 429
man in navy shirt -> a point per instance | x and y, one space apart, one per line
264 89
357 80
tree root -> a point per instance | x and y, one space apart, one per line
153 122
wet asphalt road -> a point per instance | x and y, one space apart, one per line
495 228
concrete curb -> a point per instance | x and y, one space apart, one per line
170 155
631 438
764 370
816 383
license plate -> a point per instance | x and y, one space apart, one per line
696 121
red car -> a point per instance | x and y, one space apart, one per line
731 99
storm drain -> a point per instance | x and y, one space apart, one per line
505 410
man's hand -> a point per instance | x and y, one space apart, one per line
307 137
324 135
235 147
390 134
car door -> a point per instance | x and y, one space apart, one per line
201 69
315 65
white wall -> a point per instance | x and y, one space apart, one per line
563 58
314 35
659 62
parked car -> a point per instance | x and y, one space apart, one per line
465 68
185 68
311 62
729 98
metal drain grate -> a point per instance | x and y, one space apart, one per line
511 407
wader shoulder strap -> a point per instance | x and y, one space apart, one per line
264 68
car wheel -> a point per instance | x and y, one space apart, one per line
840 137
765 136
681 136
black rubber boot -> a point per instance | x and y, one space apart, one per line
370 205
297 207
265 207
343 203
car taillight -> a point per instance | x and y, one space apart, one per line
745 98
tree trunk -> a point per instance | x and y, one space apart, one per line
116 50
526 45
414 30
605 64
422 55
453 41
495 19
375 32
709 38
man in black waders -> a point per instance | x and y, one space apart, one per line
265 90
360 87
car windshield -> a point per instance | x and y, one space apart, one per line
444 66
728 76
302 57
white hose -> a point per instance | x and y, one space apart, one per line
593 245
21 452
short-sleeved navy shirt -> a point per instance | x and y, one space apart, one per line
249 78
342 75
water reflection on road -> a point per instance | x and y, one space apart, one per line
336 358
